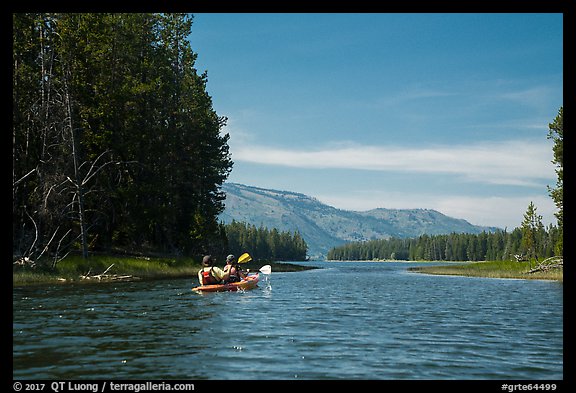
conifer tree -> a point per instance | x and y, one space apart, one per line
556 133
115 140
531 229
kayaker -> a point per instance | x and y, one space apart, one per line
210 274
233 270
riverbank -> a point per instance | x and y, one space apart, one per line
494 269
75 269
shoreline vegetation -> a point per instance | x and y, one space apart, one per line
75 269
498 269
525 270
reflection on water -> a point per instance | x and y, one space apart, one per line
349 321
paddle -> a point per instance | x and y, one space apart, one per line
244 258
266 269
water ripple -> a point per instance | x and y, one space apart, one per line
352 321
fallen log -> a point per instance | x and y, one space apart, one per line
108 277
548 264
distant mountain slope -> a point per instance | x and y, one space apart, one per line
324 227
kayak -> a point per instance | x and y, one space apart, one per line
250 282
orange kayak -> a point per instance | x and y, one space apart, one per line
250 282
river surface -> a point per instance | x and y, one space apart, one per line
349 320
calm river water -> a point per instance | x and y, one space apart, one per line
346 321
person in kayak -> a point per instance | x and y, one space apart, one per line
210 274
233 270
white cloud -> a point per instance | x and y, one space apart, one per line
502 212
509 163
517 162
497 211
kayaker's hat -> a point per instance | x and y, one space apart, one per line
207 260
230 258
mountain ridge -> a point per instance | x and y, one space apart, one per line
323 226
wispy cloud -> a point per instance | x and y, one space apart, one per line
499 211
496 210
516 162
536 97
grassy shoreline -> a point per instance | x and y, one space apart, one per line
122 268
493 269
74 269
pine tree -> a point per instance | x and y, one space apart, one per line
556 133
92 90
531 228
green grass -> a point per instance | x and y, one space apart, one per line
493 269
72 268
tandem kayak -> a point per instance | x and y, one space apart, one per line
250 282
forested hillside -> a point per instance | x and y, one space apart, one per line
115 140
324 227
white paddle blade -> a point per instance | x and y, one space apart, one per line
266 269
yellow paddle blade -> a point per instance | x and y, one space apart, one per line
244 258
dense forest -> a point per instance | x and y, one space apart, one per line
493 246
264 243
116 144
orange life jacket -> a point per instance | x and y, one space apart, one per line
208 278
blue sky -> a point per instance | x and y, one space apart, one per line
438 111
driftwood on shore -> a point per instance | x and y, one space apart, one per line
548 264
107 277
